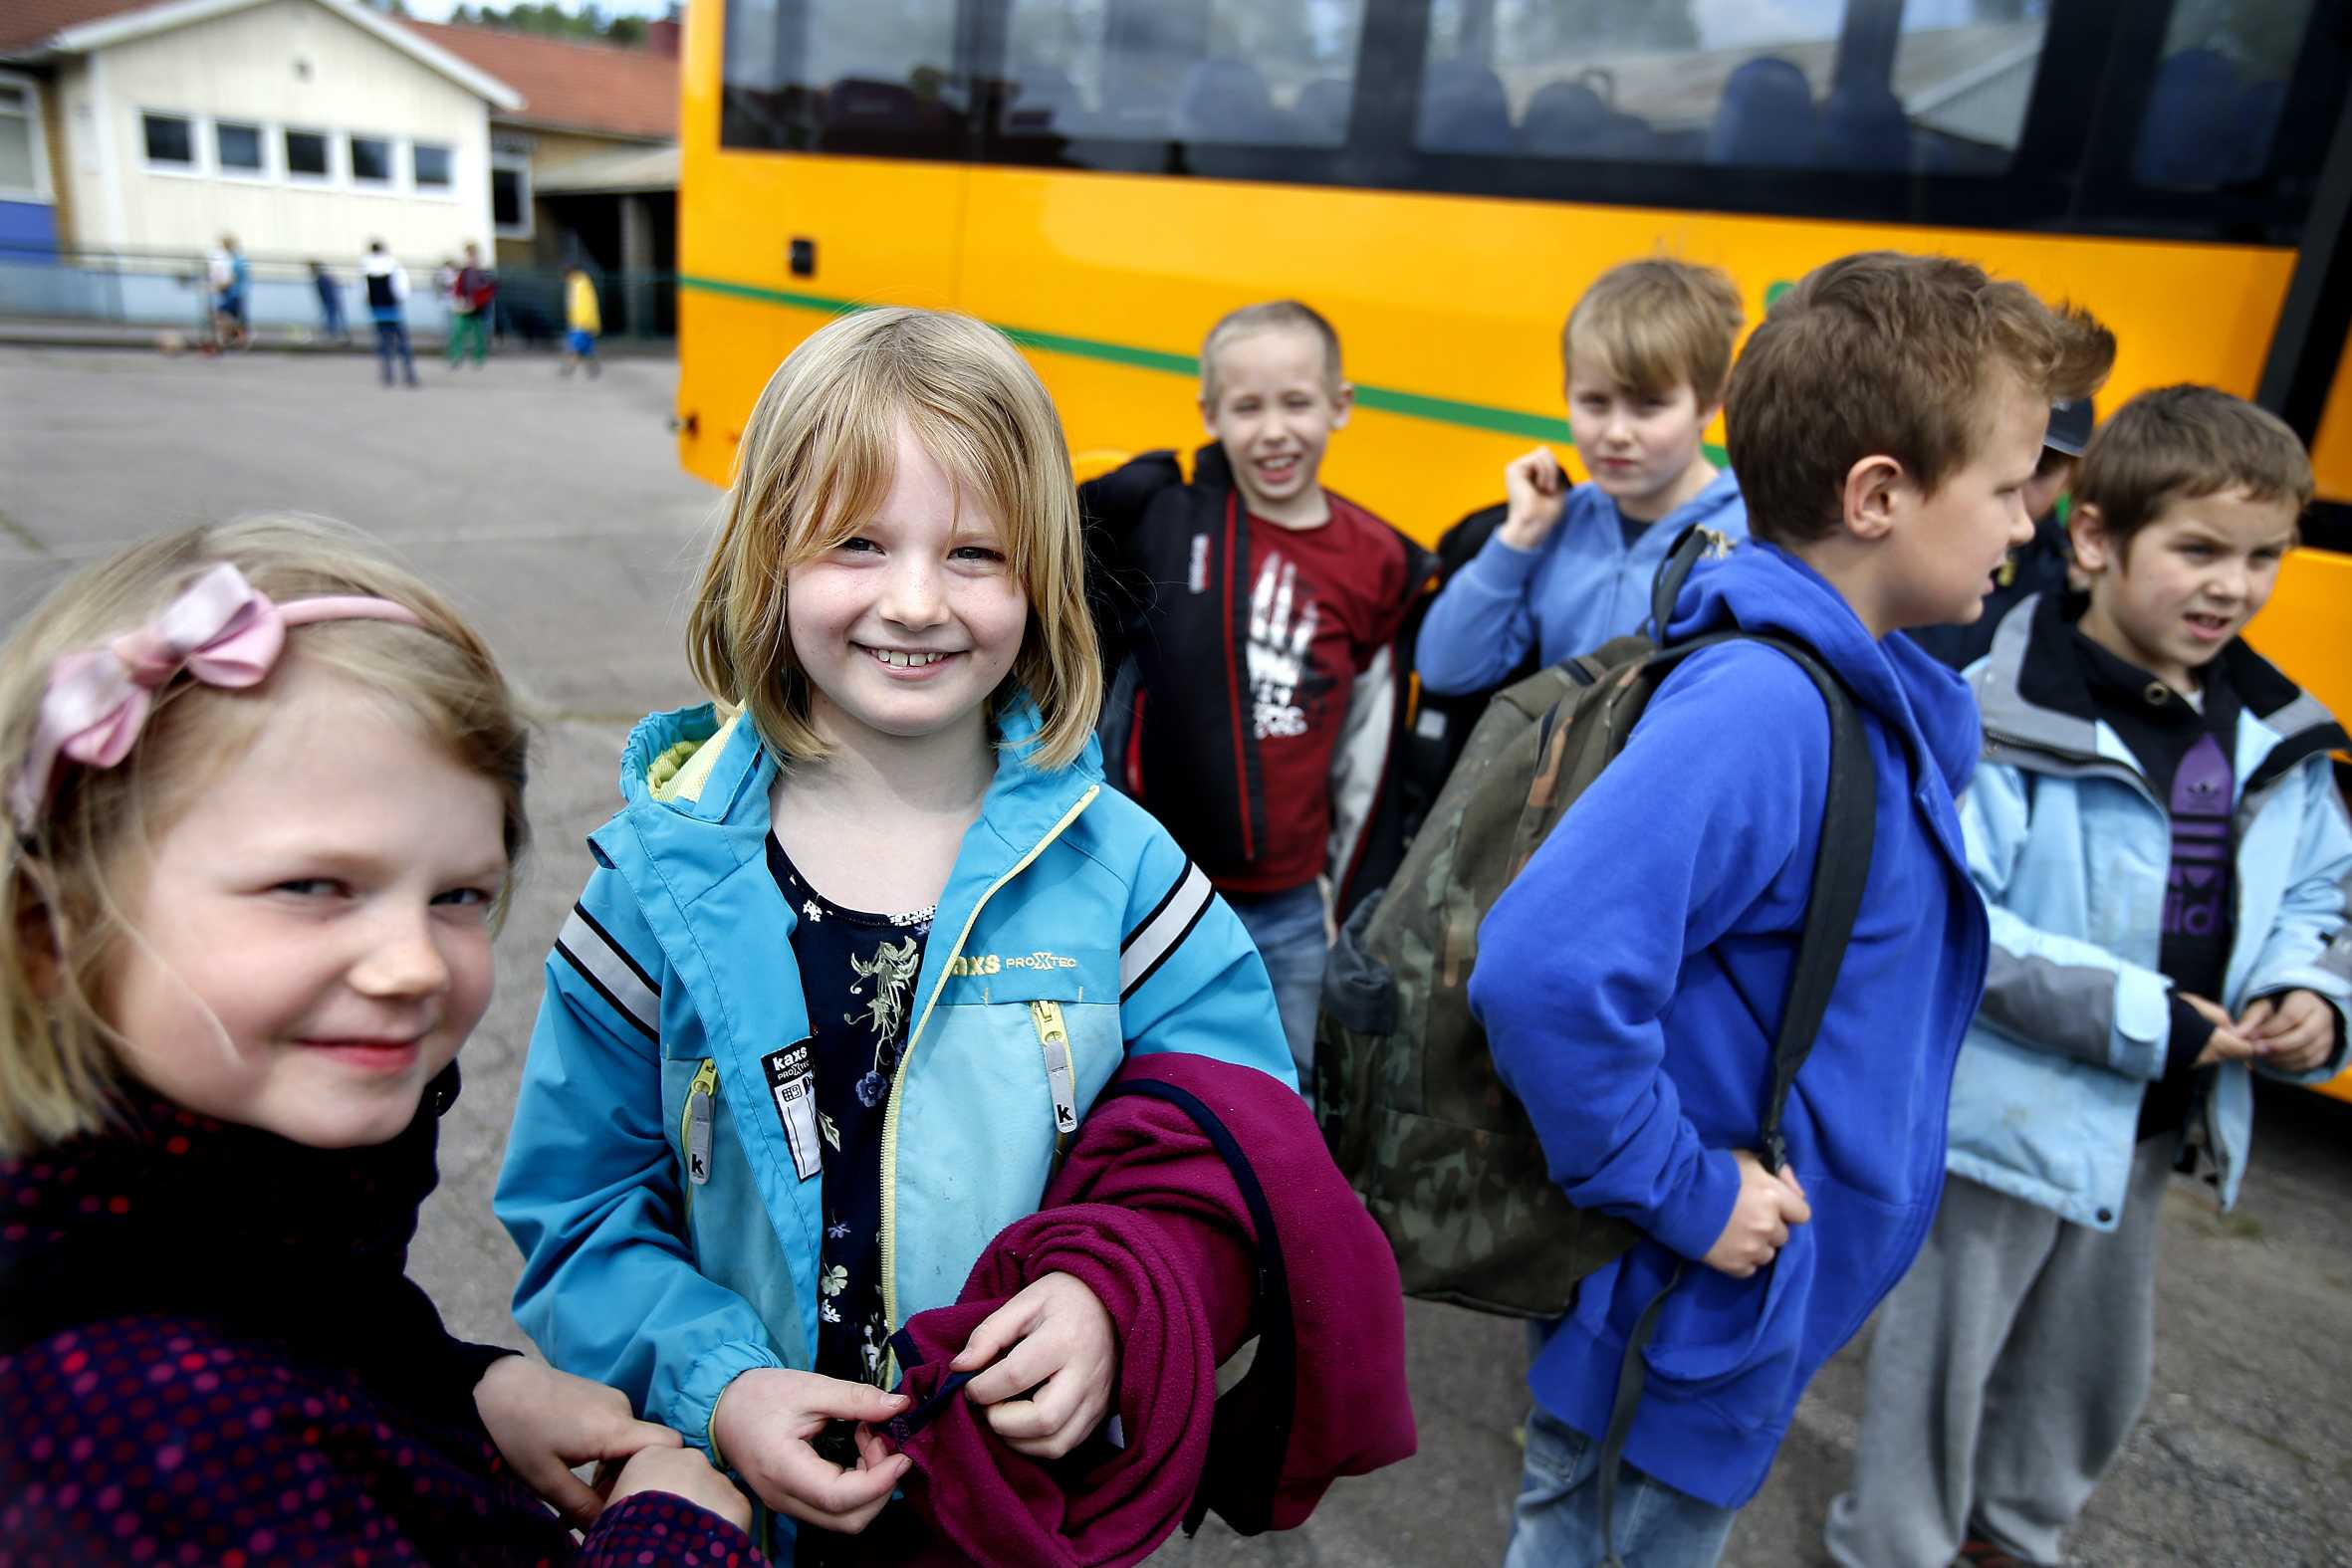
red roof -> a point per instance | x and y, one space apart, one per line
582 87
24 23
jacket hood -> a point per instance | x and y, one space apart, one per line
1758 588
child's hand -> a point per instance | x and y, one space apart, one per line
1538 491
683 1473
546 1422
1061 1353
2295 1033
764 1424
1759 1228
2230 1041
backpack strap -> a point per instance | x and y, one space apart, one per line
1849 822
1692 545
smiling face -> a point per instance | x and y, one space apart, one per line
313 936
2172 596
1943 547
1641 448
1274 413
907 628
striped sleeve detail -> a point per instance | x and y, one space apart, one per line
610 971
1163 931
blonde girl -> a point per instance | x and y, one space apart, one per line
265 796
865 940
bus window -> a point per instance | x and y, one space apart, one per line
843 76
2220 90
1865 86
1252 72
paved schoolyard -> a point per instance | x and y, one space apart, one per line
555 512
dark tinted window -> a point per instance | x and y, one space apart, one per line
505 199
2218 93
305 153
171 140
371 160
432 166
844 75
239 148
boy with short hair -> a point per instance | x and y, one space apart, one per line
1259 696
1648 355
1883 420
2158 833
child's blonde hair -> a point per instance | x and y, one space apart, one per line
65 876
818 456
1658 323
1272 315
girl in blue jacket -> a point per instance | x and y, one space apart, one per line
863 942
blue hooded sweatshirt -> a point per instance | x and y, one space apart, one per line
1642 1046
1570 594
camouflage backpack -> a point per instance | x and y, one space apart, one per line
1407 1094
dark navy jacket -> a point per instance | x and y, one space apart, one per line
1632 979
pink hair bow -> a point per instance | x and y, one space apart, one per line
221 629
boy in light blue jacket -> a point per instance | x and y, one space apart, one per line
1885 417
2157 830
1648 351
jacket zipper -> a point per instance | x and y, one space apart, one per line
1061 1077
694 1129
889 1236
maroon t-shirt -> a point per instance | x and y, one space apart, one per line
1324 601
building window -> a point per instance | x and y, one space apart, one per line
306 154
24 171
509 196
238 148
431 162
171 141
371 160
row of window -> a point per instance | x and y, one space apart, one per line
193 144
2209 113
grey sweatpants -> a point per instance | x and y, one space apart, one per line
2009 1368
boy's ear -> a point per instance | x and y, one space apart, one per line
1342 405
1875 491
2086 530
1208 415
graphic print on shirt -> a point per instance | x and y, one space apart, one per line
1281 626
2198 884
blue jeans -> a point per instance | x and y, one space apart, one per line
1557 1521
392 338
1288 931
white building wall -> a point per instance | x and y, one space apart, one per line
288 63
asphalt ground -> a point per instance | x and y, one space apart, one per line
555 513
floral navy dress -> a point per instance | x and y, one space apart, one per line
857 974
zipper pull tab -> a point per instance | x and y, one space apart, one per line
699 1105
1061 1075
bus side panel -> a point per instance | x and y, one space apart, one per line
1450 307
883 231
2331 446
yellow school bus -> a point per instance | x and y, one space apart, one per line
1104 179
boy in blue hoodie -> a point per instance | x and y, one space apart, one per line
1884 421
2157 834
1648 351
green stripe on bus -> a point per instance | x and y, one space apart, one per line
1388 400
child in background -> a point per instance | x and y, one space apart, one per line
470 290
2157 834
867 940
1261 609
387 306
265 798
1648 353
583 320
1884 420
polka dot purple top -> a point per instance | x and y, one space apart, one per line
204 1360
